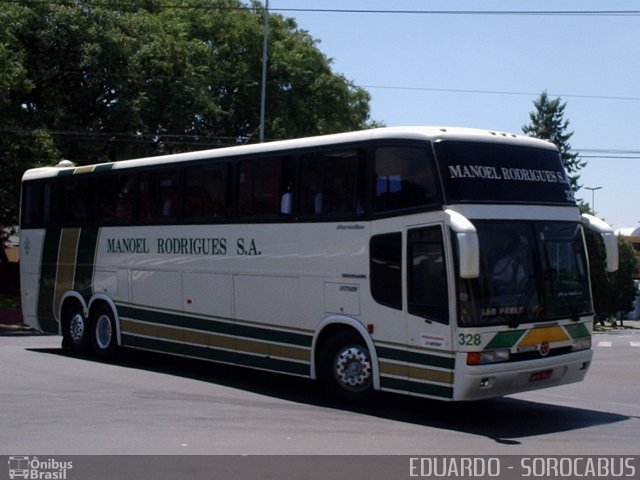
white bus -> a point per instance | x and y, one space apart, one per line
439 262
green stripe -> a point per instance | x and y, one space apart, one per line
416 387
214 326
505 339
48 271
417 358
216 355
65 172
175 320
577 330
85 261
103 167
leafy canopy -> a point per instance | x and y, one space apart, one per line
104 81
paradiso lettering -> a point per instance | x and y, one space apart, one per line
487 172
203 246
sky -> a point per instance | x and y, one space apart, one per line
485 71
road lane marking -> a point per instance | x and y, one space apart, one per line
605 344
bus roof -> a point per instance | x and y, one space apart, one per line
386 133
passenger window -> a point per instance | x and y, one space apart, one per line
386 269
32 203
333 183
158 195
428 287
262 186
66 201
205 192
404 178
115 194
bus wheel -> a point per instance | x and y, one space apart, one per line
75 328
103 337
345 368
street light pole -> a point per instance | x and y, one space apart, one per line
263 92
593 197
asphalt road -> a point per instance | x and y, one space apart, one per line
150 404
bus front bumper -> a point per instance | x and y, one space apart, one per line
477 382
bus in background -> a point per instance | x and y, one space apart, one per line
440 262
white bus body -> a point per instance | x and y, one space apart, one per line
372 297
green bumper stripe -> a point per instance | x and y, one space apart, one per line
214 326
577 330
505 339
417 388
216 355
417 358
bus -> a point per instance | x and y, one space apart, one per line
447 263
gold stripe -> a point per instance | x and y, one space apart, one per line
85 169
538 335
416 372
212 340
66 264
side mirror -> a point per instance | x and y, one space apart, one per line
468 245
608 237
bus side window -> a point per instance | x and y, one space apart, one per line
158 195
205 193
114 197
428 287
333 182
385 264
262 183
32 205
404 178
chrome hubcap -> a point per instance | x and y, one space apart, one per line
103 331
353 368
76 328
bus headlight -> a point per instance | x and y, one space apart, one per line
491 356
581 344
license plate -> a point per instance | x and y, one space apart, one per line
539 376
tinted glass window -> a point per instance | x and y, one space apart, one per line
428 289
32 203
404 178
205 192
115 198
158 195
333 183
263 186
386 269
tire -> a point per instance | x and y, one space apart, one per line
104 336
75 328
345 367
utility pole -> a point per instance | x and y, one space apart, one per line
263 93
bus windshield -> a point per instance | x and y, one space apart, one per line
529 272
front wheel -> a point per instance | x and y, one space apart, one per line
104 338
345 367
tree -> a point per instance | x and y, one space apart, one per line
548 123
613 293
106 81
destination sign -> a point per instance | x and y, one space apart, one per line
498 173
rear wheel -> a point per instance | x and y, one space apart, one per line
75 328
103 332
345 367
